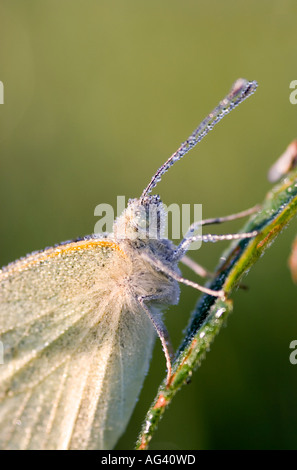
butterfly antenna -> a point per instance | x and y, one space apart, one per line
240 90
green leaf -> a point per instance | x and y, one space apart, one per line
278 208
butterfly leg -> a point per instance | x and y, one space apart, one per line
160 329
186 242
195 267
201 271
177 277
219 220
227 218
189 238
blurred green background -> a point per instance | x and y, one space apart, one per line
97 95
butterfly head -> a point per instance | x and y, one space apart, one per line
142 219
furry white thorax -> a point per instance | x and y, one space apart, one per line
138 231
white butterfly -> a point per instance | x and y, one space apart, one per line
78 321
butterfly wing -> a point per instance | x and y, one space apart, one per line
75 352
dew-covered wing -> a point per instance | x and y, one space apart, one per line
75 354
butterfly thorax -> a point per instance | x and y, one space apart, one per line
139 233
